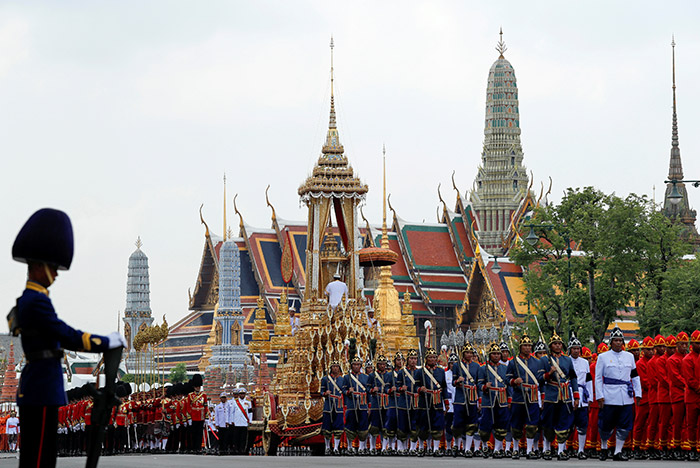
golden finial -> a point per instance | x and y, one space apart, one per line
368 227
501 46
332 65
235 209
138 243
454 185
225 225
384 189
267 200
201 218
440 196
388 201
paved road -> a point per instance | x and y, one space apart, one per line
192 461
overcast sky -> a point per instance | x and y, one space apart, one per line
127 114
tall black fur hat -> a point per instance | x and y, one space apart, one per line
46 237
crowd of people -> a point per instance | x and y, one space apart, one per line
625 401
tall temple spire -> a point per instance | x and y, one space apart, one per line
332 183
675 169
680 211
225 225
332 139
501 181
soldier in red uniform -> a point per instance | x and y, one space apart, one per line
690 369
61 439
197 405
184 417
592 439
120 435
653 373
642 408
664 398
677 391
634 348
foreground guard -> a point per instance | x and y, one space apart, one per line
45 244
433 388
495 398
466 414
561 397
380 383
525 374
355 389
332 392
616 385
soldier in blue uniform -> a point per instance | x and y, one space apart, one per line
525 374
495 397
332 392
380 383
560 398
409 387
45 244
356 391
466 418
433 390
397 415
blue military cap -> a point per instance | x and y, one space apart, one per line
46 237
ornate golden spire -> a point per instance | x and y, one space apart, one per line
385 236
332 139
225 225
501 46
332 123
138 242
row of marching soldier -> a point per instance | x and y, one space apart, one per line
541 403
172 419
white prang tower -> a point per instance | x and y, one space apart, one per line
501 182
137 315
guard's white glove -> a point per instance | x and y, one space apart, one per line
116 340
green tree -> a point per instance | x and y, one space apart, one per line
675 304
621 246
128 378
178 373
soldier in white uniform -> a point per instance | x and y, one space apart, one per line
616 385
242 415
293 321
335 290
12 429
222 421
585 385
450 443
